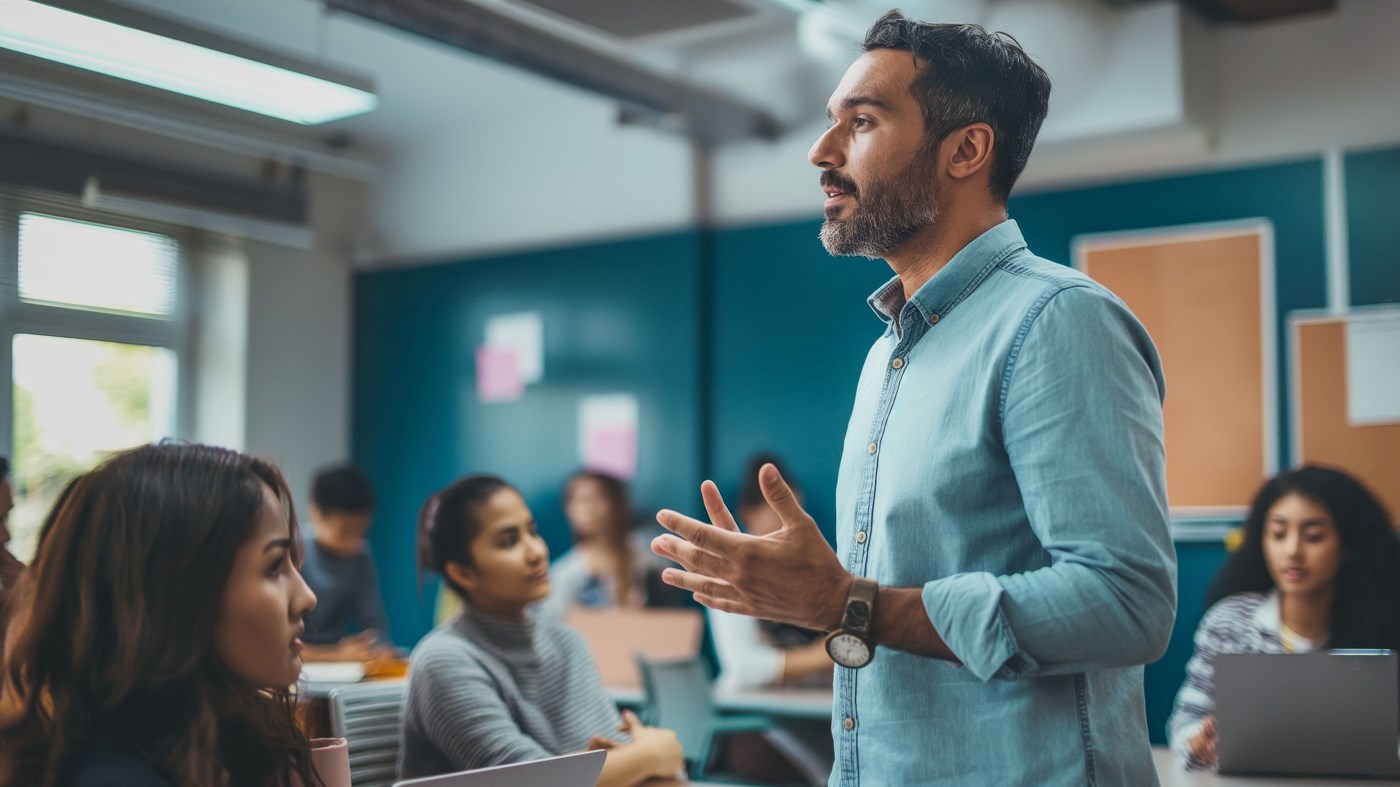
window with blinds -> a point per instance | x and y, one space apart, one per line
96 267
91 332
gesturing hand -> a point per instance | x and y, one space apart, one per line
789 576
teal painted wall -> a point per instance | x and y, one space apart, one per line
1373 226
619 317
746 339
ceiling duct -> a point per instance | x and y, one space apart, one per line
628 19
1246 11
646 96
275 212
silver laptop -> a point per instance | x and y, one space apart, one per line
571 770
1316 714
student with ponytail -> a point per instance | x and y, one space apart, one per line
498 683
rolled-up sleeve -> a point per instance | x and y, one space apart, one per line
1081 423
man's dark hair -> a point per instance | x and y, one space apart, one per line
4 468
342 488
972 76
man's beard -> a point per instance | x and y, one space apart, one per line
894 210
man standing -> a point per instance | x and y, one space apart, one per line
1005 567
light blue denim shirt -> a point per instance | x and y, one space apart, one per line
1005 454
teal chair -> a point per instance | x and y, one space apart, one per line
678 698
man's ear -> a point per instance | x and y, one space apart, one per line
969 151
462 576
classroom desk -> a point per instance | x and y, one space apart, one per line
1171 774
778 703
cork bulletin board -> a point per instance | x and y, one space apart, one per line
1205 294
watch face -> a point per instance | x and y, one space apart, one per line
848 650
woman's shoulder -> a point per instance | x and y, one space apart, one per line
552 632
1233 616
1237 606
444 647
109 767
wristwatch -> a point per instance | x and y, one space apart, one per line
850 646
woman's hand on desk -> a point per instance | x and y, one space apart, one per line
1203 744
653 753
662 749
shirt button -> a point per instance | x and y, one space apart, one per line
849 723
860 537
872 448
934 318
897 363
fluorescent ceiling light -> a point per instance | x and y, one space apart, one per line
180 65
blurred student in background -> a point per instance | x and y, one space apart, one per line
1319 567
349 623
609 564
500 683
157 630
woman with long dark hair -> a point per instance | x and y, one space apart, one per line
156 632
1319 567
608 565
500 683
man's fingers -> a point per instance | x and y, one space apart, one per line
699 584
712 539
714 504
723 605
691 557
630 722
779 495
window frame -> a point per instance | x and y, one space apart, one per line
175 333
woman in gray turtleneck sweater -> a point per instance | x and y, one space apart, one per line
495 684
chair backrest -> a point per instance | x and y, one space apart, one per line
678 698
368 717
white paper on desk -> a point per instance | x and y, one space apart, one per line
522 332
333 671
1373 369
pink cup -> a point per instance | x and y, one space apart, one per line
330 759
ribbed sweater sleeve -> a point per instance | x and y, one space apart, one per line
462 714
484 691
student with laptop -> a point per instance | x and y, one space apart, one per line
498 683
1319 568
158 629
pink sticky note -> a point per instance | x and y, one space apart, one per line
498 377
612 449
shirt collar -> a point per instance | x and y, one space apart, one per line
1267 617
968 268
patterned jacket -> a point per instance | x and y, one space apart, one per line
1242 623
